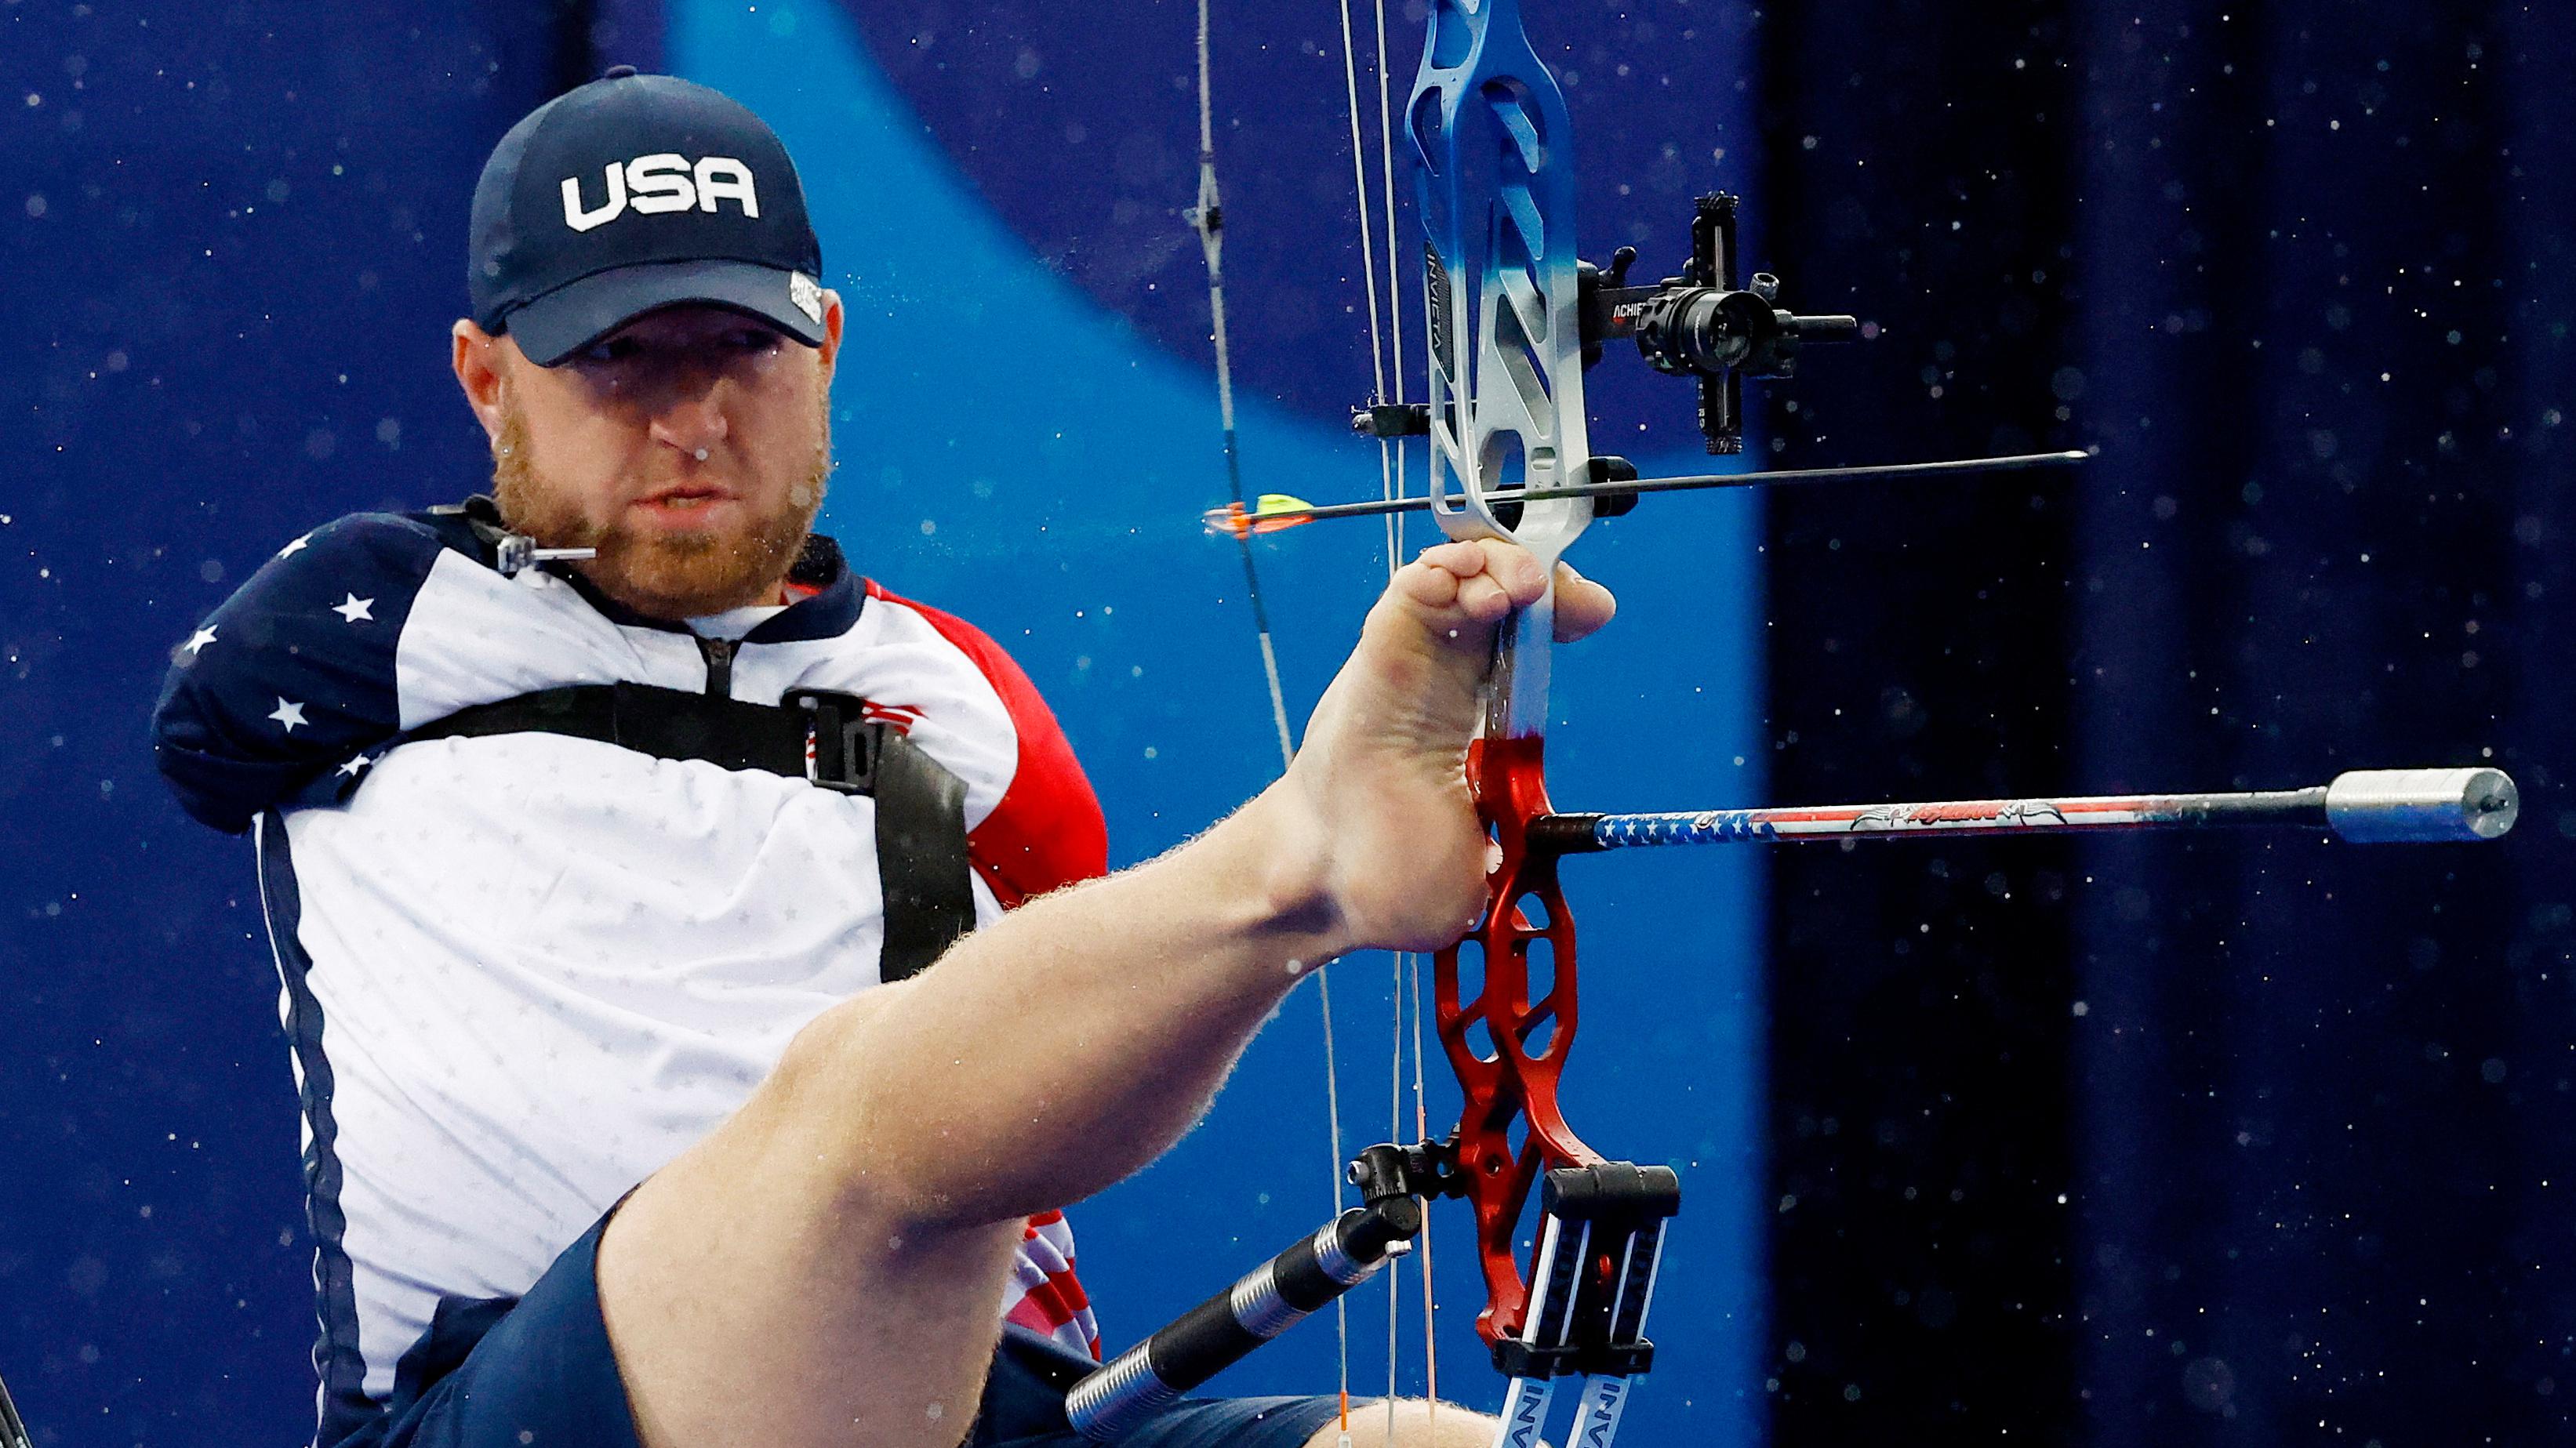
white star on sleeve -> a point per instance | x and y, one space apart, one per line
289 714
197 641
354 609
295 547
356 763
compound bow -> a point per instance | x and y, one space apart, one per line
1515 317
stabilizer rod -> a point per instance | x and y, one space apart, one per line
1262 1304
13 1433
2368 806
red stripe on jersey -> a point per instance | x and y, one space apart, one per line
1052 1306
1054 1303
1047 831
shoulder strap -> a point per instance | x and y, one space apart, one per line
665 723
818 735
922 867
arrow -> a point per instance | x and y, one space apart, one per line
1274 512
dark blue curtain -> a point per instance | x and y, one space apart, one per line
2227 1139
2325 1131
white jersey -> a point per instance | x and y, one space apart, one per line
522 971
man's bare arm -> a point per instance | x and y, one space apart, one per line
827 1265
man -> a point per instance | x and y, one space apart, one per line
602 890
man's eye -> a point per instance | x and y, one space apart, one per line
615 349
756 339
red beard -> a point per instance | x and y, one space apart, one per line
659 574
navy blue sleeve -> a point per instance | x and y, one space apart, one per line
294 675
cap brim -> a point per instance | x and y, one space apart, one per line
574 315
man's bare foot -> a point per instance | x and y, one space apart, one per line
1381 777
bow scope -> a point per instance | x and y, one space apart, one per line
1705 323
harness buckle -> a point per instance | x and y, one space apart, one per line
841 743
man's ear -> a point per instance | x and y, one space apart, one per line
830 351
481 361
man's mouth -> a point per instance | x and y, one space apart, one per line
685 499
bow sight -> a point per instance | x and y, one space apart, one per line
1701 324
1704 323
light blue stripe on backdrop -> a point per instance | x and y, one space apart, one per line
1011 451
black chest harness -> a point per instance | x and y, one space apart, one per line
818 735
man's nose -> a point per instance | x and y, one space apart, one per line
694 423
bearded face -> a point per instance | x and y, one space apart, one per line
672 573
691 449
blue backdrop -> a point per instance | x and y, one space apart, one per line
2228 1141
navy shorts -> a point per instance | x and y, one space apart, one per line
536 1372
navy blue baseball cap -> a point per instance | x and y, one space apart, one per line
632 193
